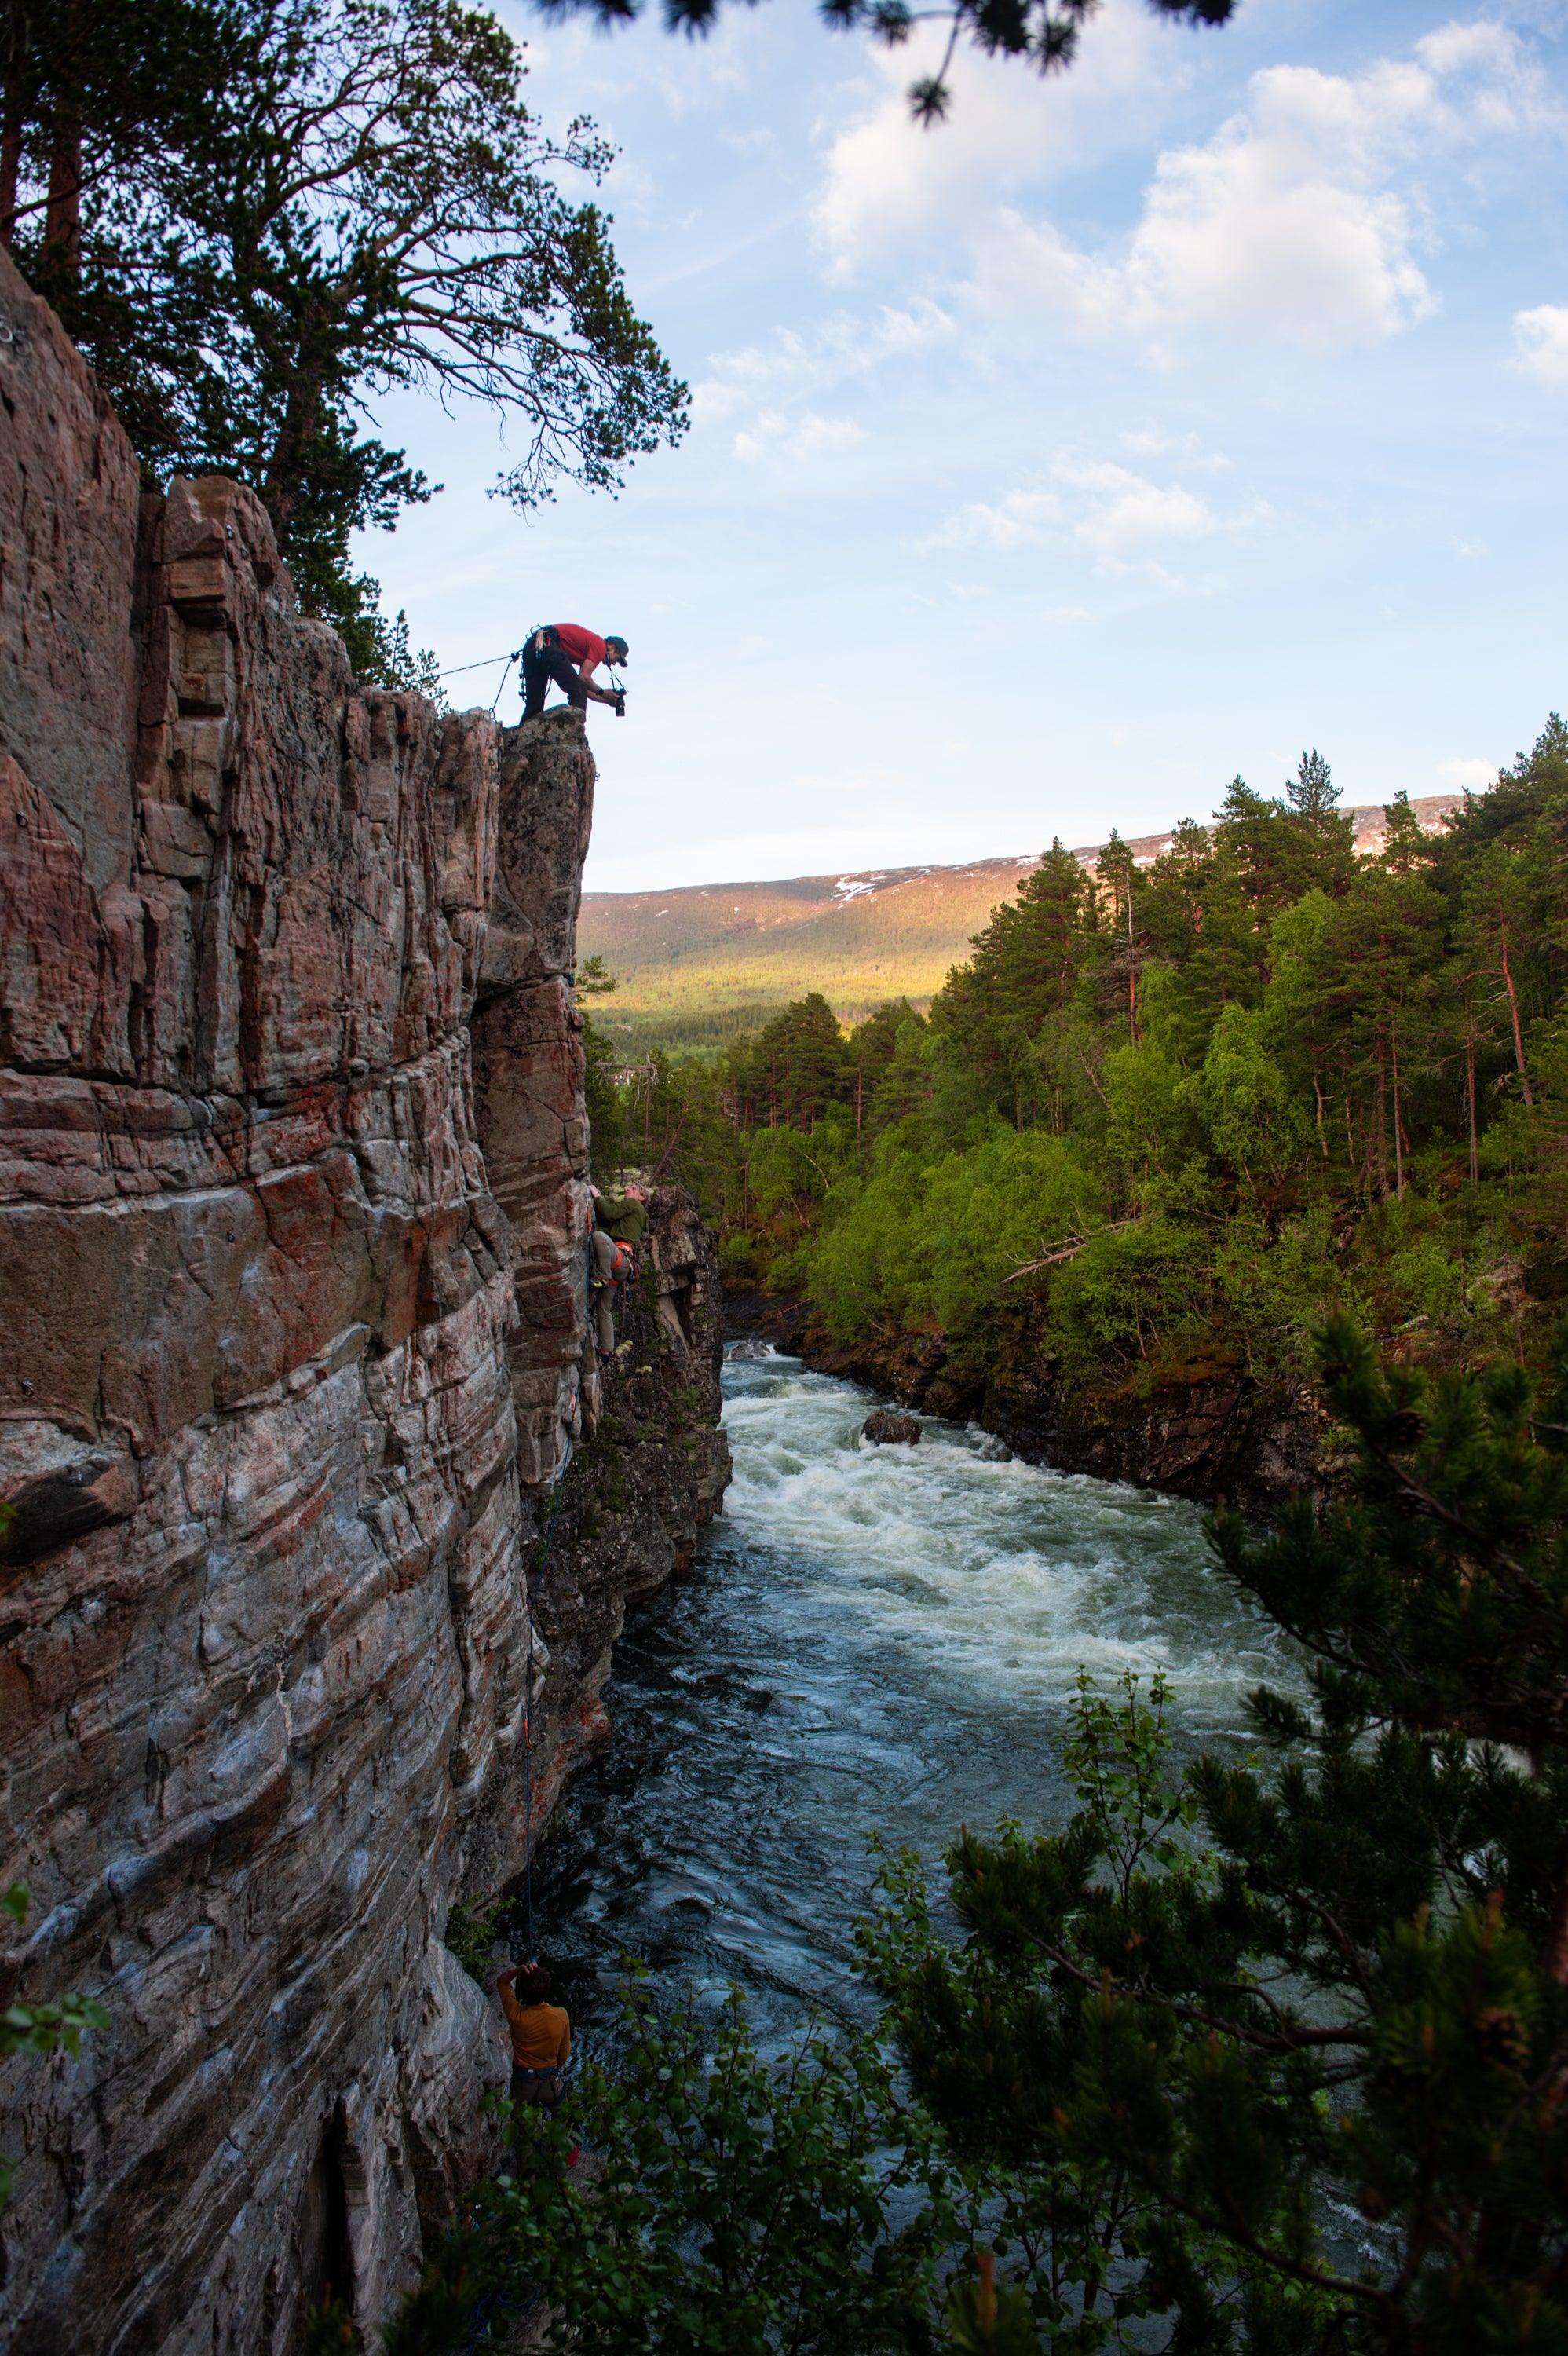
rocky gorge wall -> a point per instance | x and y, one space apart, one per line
293 1200
1208 1430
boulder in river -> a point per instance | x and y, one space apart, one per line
886 1426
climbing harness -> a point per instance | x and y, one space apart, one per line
539 637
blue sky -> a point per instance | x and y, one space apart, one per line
1133 429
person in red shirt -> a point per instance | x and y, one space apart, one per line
567 653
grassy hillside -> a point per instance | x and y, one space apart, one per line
699 965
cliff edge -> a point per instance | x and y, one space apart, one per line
292 1205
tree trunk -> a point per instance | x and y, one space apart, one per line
1555 1957
301 417
1513 1010
62 215
1470 1094
1322 1132
10 158
1378 1159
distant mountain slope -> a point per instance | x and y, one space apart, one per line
701 963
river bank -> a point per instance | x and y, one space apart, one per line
1206 1431
869 1641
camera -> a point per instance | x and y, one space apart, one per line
620 707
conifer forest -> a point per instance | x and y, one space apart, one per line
399 1381
1259 2056
1168 1119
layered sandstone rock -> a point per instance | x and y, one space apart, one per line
289 1364
650 1469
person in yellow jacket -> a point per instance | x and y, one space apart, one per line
540 2032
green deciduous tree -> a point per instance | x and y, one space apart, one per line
1258 2056
736 2205
1255 1122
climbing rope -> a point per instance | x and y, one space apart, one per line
506 675
457 668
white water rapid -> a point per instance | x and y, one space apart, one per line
875 1640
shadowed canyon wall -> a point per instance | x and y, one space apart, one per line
292 1193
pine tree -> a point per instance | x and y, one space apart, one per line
1025 969
872 1047
1495 927
1312 793
1377 960
1116 883
1406 848
1232 2007
906 1082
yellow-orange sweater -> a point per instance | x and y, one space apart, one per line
542 2033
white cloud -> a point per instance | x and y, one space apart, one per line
887 181
1540 343
838 349
1474 774
771 435
1154 442
1117 516
1282 226
1302 220
1123 514
1020 518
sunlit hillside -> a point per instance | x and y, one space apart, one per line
698 965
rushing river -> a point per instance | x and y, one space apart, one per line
872 1641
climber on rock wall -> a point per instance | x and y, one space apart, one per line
541 2034
570 655
619 1223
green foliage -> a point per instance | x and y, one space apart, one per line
1204 1103
1254 2056
934 1244
736 2203
246 269
1248 2000
1255 1121
40 2028
471 1935
1130 1290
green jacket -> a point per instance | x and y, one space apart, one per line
619 1216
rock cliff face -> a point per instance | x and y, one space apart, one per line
292 1193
